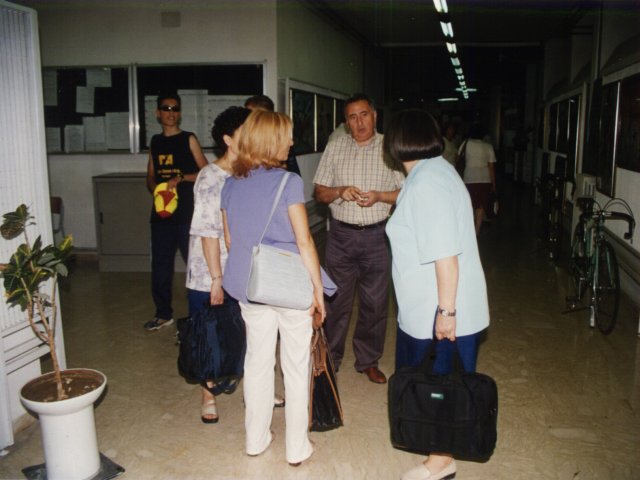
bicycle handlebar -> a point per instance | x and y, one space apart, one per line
604 215
586 205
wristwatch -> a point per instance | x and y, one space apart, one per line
446 313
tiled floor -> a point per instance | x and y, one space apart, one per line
569 396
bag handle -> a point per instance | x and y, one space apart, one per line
285 177
426 366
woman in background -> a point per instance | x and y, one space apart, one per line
479 172
437 274
450 152
207 253
247 199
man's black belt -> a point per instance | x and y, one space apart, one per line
362 227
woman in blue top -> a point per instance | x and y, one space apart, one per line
247 198
437 274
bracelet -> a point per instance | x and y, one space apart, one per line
216 277
446 313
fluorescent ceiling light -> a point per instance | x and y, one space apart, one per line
469 89
448 99
452 47
441 6
447 29
455 61
458 71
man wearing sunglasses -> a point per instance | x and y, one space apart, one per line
175 157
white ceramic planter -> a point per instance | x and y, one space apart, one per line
69 434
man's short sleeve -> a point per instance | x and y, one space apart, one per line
324 173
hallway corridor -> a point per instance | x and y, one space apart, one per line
569 396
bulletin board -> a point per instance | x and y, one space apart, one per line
86 109
96 109
205 91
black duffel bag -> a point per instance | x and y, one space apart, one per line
213 345
455 413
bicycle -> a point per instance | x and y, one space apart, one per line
594 264
552 192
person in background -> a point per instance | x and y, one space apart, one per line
247 199
265 103
360 189
341 130
175 157
479 173
207 250
450 152
437 274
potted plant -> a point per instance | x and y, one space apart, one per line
63 399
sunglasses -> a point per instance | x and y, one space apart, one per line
169 108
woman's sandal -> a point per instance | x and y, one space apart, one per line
209 412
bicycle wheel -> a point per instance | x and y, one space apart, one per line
577 268
606 289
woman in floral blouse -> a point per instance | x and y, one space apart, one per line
207 251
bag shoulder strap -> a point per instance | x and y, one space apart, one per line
283 182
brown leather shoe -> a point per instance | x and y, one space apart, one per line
375 375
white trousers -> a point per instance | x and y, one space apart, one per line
263 323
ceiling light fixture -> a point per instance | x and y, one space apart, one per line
447 29
441 6
448 99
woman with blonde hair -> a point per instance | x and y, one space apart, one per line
247 199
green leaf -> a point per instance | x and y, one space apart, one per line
37 245
61 269
15 222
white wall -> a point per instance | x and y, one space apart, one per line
556 67
617 27
313 51
120 33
